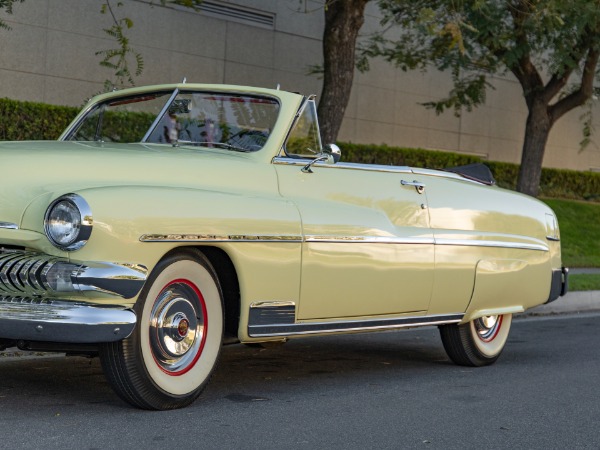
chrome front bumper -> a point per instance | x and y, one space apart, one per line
52 320
34 304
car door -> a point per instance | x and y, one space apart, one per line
368 249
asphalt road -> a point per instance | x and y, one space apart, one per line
386 390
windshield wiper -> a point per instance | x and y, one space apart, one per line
214 144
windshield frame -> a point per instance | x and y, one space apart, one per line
90 109
102 102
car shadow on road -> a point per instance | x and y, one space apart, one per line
295 367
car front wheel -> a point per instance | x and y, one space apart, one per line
478 342
169 358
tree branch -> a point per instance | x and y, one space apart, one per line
581 95
555 85
560 78
524 70
529 78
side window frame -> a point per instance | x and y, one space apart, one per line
308 104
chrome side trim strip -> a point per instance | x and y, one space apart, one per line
63 321
218 238
9 225
264 238
340 239
484 243
444 174
272 304
286 161
299 329
370 239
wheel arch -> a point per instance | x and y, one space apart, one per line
230 287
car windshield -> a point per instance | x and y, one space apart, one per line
231 121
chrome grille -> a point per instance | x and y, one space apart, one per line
25 273
6 299
28 274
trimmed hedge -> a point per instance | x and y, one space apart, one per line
24 121
39 121
555 183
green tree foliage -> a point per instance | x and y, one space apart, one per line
551 47
7 6
118 59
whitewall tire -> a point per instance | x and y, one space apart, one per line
477 343
170 357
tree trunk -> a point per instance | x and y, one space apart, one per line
343 19
537 131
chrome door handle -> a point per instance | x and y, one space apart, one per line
420 187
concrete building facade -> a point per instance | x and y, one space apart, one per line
49 56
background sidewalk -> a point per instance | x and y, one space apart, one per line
573 302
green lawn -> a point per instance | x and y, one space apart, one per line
584 282
579 224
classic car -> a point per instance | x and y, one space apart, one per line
167 221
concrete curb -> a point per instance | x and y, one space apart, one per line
573 302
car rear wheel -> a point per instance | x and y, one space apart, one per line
476 343
169 358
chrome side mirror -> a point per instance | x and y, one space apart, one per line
333 151
330 154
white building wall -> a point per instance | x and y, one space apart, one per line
49 56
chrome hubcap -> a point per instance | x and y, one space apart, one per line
177 327
487 327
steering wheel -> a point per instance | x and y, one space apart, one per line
248 139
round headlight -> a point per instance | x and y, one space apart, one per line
68 222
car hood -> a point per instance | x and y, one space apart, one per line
35 168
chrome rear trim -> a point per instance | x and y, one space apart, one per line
63 321
491 243
352 326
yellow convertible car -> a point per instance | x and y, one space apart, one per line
170 220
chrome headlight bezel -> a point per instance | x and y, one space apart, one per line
84 222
